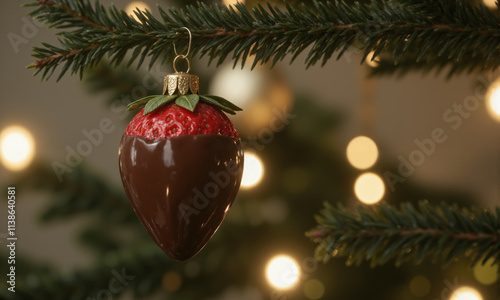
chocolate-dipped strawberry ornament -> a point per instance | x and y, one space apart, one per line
181 162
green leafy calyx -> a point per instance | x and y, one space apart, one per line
189 102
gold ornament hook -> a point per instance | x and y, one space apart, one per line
189 46
183 56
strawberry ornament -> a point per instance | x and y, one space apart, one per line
181 162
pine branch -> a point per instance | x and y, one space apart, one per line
429 32
381 233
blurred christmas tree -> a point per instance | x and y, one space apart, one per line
302 166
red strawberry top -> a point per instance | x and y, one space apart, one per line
172 120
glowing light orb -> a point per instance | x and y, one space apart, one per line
282 272
369 188
372 63
241 86
466 293
17 148
171 281
253 171
134 5
232 2
487 273
493 101
362 152
490 3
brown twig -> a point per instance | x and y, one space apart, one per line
74 14
45 61
318 234
222 32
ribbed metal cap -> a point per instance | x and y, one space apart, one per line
181 82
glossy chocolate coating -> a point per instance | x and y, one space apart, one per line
181 188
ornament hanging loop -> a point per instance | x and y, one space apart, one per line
184 56
181 82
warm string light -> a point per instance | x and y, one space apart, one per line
369 188
466 293
493 101
371 60
17 148
171 281
253 170
362 152
486 274
232 2
260 92
490 3
133 6
242 86
282 272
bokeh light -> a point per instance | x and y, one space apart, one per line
372 63
17 148
253 170
282 272
420 286
171 281
493 101
487 273
134 5
362 152
369 188
240 86
314 289
264 95
232 2
490 3
466 293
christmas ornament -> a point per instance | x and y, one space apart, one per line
181 162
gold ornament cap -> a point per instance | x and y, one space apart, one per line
181 82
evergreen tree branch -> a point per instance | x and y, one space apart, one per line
454 31
381 233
